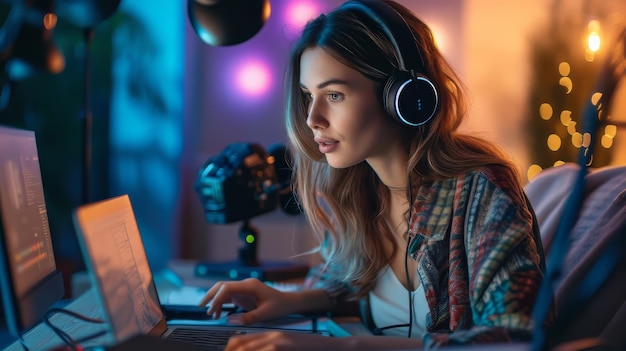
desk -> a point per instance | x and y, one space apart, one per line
169 283
41 337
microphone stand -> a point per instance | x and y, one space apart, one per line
87 119
248 265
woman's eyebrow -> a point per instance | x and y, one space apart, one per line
327 83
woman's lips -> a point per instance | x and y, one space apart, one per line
326 145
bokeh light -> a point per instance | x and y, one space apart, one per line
595 98
610 130
586 142
593 36
571 127
253 78
554 142
593 42
298 13
567 83
566 117
577 139
564 69
532 171
545 111
606 141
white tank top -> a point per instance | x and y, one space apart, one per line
389 301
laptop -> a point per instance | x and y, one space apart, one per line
118 268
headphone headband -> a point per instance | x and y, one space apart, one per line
396 29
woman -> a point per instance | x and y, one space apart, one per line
430 226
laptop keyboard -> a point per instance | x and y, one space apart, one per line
204 339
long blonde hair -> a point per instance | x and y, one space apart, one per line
347 207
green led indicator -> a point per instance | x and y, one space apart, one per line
250 238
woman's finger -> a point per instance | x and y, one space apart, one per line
221 296
210 293
282 340
226 292
253 341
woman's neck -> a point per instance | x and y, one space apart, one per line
397 189
398 207
391 167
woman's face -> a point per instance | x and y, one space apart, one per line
344 112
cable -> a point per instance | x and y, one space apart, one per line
406 259
379 331
65 337
23 342
72 314
409 285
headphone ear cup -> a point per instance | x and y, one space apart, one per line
410 99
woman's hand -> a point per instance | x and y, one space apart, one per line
261 301
282 340
286 340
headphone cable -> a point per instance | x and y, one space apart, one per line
409 286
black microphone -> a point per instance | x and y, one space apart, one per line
283 164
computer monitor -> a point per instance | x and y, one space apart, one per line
29 280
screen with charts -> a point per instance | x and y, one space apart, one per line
118 265
30 281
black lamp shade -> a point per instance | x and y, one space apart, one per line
227 22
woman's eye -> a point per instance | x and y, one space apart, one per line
334 96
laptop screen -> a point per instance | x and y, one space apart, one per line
30 282
118 266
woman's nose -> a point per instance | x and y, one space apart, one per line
316 118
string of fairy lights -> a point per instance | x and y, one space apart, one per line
558 132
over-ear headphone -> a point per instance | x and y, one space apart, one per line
409 97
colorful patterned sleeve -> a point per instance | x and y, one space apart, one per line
497 248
